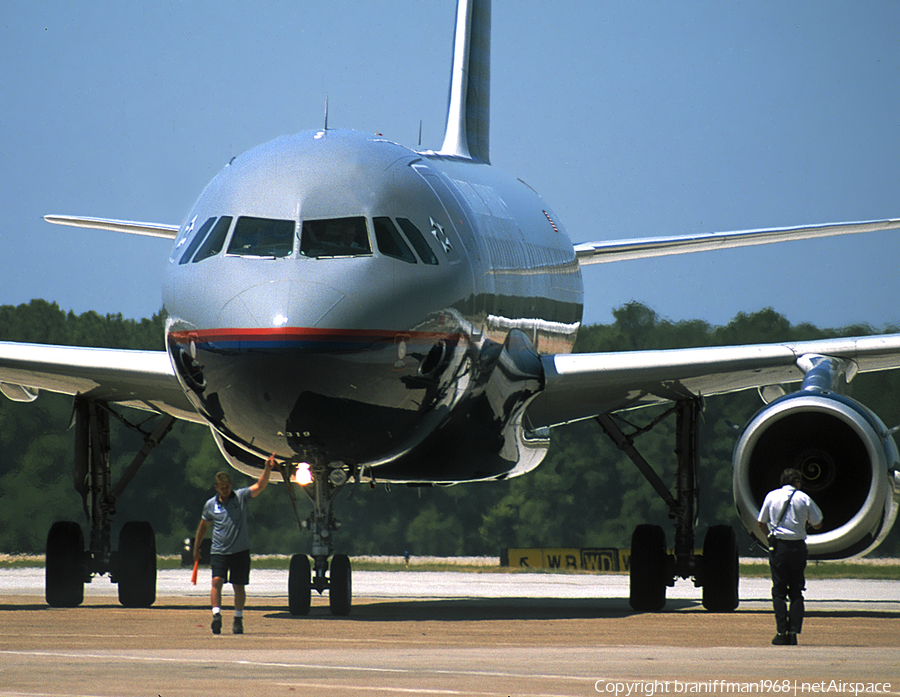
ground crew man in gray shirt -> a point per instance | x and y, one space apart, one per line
226 512
784 514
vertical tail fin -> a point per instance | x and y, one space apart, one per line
468 111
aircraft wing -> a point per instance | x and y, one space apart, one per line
140 379
583 385
646 247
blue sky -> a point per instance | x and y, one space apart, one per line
630 119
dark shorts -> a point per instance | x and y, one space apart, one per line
233 568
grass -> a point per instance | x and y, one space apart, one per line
888 569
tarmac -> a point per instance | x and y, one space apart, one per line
447 633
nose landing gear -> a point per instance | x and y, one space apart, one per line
336 577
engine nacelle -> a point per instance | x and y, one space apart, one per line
848 460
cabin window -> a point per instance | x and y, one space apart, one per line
215 241
391 242
335 237
418 241
195 242
262 237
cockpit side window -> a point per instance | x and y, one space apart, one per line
195 242
418 241
215 241
390 242
262 237
335 237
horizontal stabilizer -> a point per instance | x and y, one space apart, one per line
134 228
647 247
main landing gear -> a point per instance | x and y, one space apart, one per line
652 568
303 578
68 564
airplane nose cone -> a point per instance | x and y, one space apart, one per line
286 303
285 370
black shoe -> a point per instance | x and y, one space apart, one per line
217 624
780 640
791 639
238 626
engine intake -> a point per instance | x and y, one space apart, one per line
847 459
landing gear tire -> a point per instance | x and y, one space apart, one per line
340 588
65 565
721 574
136 565
648 569
299 585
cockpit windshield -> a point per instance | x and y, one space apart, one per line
335 237
262 237
215 241
195 242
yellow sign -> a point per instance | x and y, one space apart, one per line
608 559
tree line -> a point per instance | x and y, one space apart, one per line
584 494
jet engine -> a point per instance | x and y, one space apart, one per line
848 459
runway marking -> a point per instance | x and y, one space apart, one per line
47 694
278 664
404 690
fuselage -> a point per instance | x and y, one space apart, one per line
334 295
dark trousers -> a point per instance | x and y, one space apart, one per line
788 562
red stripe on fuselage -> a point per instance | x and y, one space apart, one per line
305 334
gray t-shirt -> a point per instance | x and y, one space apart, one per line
229 521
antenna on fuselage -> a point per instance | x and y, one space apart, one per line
420 133
326 113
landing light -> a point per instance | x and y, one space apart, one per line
302 475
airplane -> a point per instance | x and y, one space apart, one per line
370 312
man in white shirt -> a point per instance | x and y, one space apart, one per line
785 514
